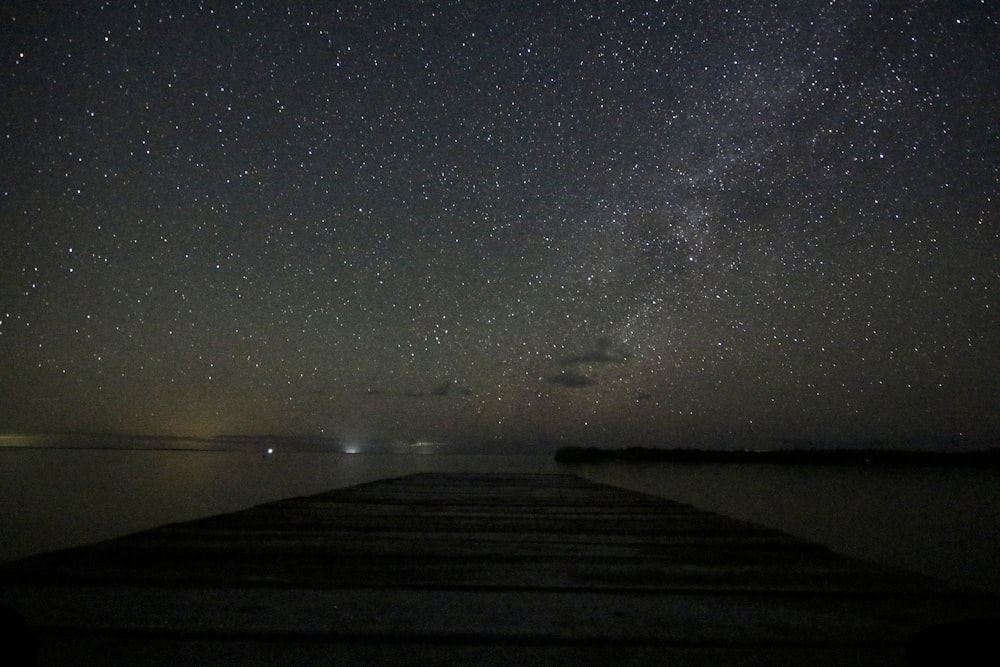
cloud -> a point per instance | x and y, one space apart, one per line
602 353
449 388
446 388
592 357
570 379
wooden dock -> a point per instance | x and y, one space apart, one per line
472 569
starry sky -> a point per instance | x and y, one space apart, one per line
576 222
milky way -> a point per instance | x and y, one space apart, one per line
593 222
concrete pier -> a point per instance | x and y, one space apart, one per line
472 569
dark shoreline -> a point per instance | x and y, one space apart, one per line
842 457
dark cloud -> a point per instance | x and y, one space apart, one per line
570 379
447 388
602 353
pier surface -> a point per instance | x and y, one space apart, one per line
472 569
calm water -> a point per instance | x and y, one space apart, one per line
942 522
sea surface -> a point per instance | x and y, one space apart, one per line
943 522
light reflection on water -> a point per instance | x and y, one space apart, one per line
941 521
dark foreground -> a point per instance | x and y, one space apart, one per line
478 569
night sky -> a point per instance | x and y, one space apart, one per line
576 222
